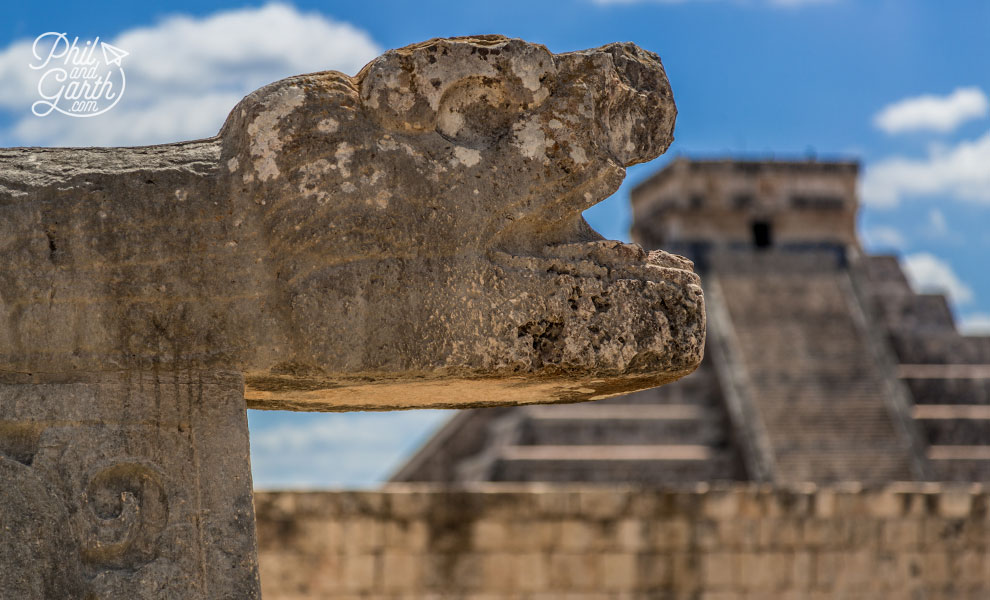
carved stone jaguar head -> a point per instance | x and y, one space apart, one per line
413 231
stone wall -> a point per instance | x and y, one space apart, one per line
496 541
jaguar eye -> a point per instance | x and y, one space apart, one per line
476 111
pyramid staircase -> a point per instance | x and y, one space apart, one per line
811 372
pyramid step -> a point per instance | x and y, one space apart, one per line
615 411
621 431
961 469
950 391
959 452
864 464
648 464
956 431
638 452
952 411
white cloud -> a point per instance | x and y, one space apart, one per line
975 324
882 238
170 119
929 274
938 226
313 450
184 74
961 171
933 113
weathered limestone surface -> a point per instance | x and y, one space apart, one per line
419 223
133 487
408 237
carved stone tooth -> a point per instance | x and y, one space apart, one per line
603 252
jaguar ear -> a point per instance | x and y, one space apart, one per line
632 98
464 88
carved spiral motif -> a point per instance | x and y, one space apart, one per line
126 510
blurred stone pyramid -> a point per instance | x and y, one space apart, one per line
821 365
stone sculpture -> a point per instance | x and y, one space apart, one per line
407 237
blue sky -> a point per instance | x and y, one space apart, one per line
899 84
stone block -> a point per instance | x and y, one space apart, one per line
453 572
532 571
824 503
685 572
884 504
670 534
575 572
406 535
619 571
490 534
499 571
317 536
402 572
539 534
856 571
949 534
955 503
973 567
126 486
579 535
721 504
863 533
630 535
779 534
363 534
936 568
603 503
827 569
654 571
713 595
824 533
765 571
359 572
901 534
720 570
557 504
803 577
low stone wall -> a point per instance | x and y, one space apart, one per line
914 541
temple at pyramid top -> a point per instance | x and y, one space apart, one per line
695 207
822 364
